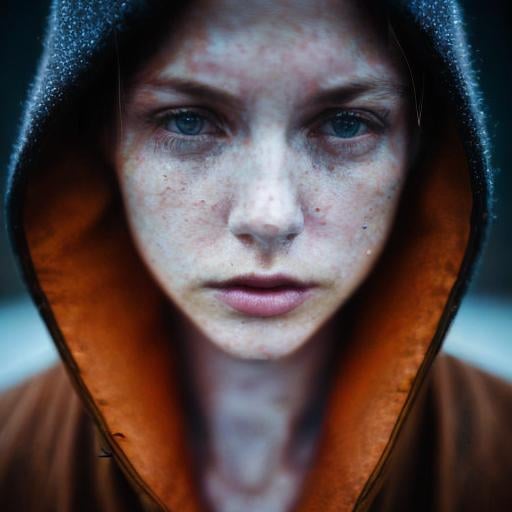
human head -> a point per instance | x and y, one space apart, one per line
265 138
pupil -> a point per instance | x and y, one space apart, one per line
346 127
189 124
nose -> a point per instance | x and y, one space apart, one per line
267 211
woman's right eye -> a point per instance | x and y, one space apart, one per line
188 132
188 123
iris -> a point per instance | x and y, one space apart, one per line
188 123
346 126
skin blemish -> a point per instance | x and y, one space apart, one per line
317 209
165 198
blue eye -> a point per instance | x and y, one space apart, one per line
347 125
186 123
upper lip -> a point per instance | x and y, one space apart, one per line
263 281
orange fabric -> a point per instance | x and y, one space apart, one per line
115 343
109 314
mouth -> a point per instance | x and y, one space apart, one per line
263 296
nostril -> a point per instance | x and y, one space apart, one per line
268 229
246 239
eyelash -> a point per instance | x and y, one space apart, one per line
175 142
372 121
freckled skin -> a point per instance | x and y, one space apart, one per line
267 191
263 172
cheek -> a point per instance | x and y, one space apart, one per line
176 213
350 218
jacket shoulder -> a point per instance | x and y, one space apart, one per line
43 396
37 418
50 455
473 411
34 414
464 384
471 402
453 452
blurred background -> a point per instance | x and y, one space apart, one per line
482 332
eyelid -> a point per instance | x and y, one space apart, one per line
164 115
376 122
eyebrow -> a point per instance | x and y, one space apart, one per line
377 88
198 90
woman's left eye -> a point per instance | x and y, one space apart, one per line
345 125
188 123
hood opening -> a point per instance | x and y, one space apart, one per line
110 321
108 318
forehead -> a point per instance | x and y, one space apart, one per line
311 43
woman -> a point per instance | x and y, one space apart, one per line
248 262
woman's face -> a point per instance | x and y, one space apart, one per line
261 159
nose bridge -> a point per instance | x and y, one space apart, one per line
271 189
267 208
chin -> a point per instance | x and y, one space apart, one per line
259 342
261 352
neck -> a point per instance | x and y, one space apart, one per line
261 420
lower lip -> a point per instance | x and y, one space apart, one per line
263 302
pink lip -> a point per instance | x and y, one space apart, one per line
263 296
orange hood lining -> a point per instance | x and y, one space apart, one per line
109 320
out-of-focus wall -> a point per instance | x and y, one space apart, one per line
21 29
490 25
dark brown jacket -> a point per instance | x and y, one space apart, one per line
453 454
